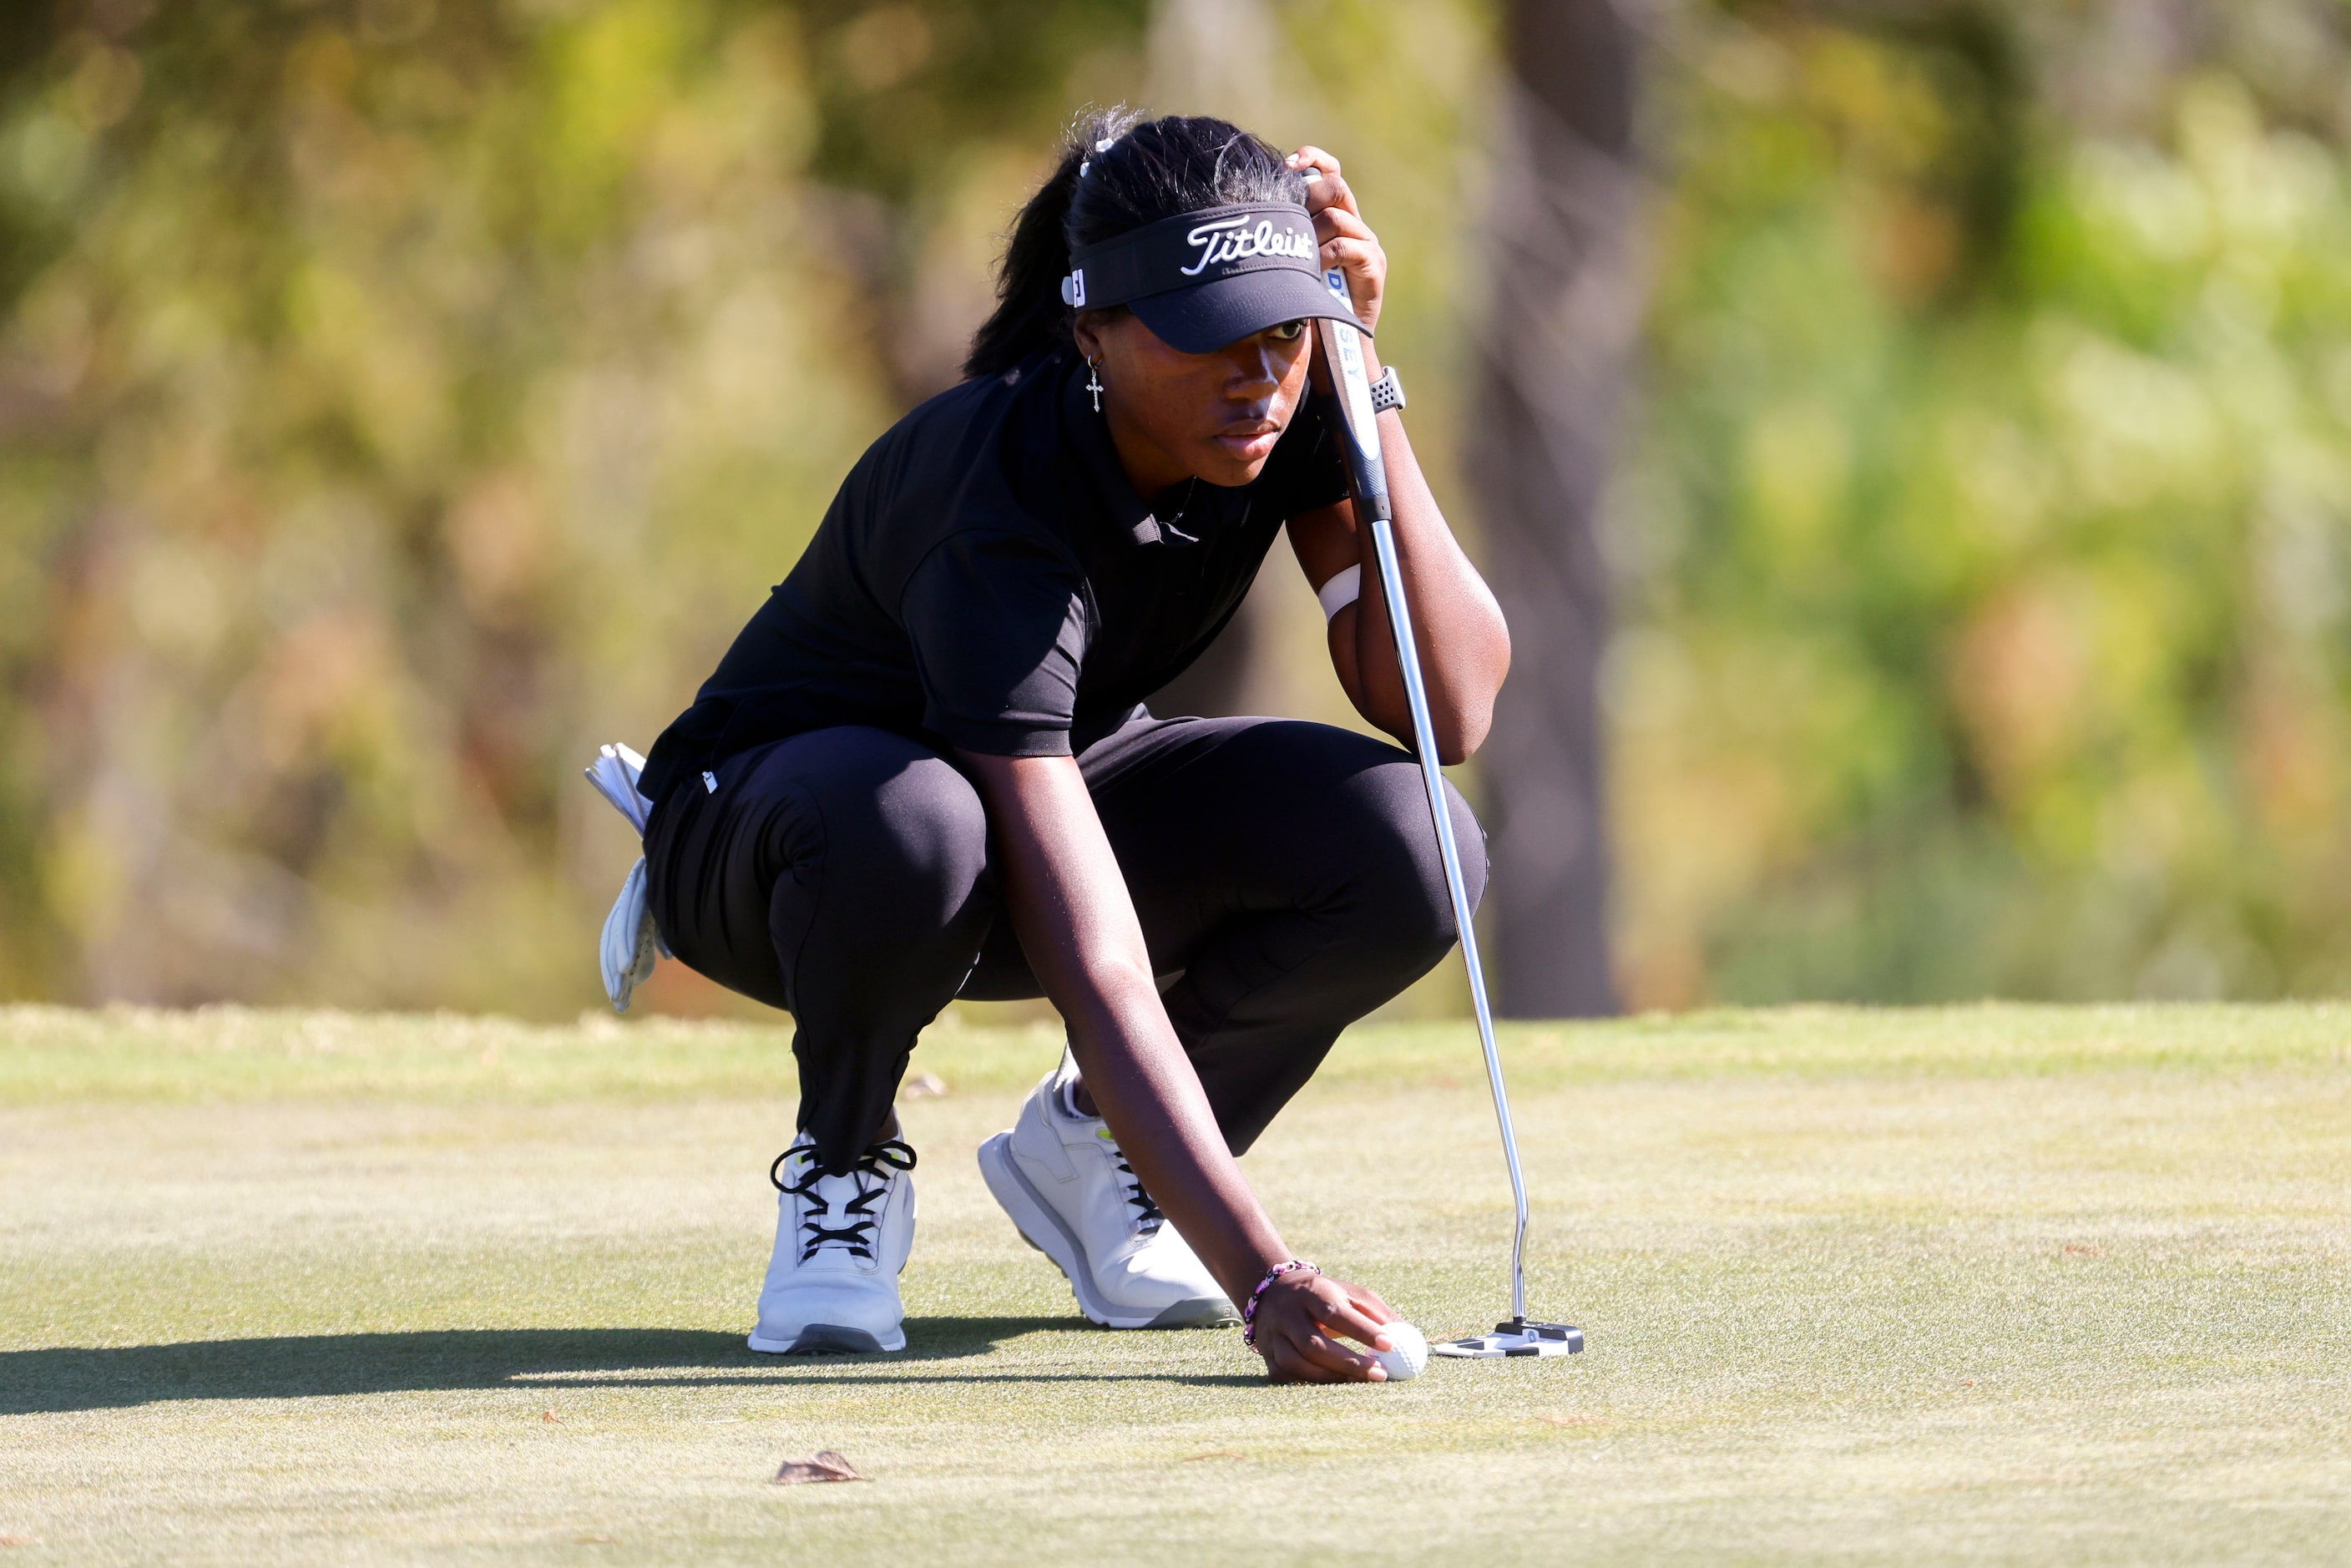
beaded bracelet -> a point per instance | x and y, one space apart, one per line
1248 1311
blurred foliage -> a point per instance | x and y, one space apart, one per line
398 397
1984 553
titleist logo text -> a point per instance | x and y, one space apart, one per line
1231 239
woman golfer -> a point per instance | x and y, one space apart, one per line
925 769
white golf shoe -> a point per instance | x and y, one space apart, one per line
841 1241
1063 1179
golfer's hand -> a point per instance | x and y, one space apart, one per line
1298 1318
1347 242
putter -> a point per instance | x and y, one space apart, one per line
1367 480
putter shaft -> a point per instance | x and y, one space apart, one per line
1432 778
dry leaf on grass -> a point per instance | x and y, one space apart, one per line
17 1540
827 1465
551 1417
923 1086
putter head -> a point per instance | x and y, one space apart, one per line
1516 1337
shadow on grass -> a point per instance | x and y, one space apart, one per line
68 1378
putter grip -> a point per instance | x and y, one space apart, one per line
1367 477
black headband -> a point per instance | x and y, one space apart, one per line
1190 250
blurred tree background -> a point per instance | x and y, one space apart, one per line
1982 559
399 397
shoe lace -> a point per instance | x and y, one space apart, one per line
1147 1218
873 1172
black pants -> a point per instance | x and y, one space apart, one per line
1286 874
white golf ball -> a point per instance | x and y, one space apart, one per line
1410 1355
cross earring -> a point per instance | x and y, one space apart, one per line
1093 384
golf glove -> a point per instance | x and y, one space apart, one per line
631 942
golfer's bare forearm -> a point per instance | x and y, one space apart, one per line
1069 902
1464 646
1136 1072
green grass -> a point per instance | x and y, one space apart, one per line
1979 1283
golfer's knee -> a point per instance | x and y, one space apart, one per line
889 831
1402 869
922 842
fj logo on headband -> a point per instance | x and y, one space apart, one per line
1073 290
1231 239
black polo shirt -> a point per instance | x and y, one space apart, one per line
988 579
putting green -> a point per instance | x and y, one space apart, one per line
2024 1284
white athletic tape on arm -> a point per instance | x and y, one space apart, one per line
1341 591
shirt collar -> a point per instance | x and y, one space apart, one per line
1089 435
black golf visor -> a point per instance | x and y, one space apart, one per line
1201 280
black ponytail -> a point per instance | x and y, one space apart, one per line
1151 170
